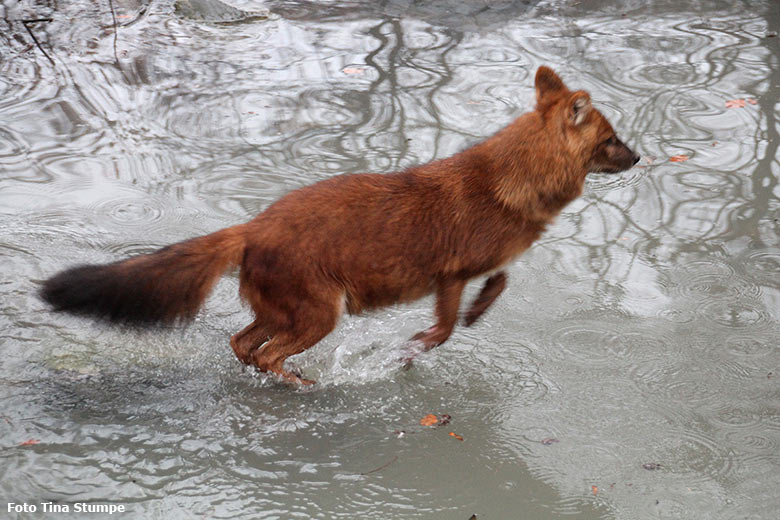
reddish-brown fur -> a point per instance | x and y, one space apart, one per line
359 242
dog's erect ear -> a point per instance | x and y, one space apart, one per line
579 107
547 83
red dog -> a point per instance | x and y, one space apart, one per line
358 242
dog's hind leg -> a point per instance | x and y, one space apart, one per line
490 291
248 340
447 303
312 322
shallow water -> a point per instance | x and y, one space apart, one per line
630 370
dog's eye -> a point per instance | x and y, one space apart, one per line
612 140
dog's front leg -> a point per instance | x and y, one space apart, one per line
447 302
490 291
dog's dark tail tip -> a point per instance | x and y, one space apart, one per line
166 287
80 290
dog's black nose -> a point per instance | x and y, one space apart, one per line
636 158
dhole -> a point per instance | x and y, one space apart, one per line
358 242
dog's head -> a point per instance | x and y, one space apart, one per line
586 132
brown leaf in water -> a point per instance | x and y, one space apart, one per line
429 420
453 434
549 441
433 420
679 158
735 103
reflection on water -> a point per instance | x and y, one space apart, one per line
641 332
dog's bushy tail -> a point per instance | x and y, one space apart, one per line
163 287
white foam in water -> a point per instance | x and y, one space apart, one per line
362 349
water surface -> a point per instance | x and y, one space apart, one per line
630 370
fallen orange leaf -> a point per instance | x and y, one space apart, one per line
679 158
352 70
429 420
595 490
735 103
29 442
453 434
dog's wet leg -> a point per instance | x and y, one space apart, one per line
313 322
447 303
490 291
249 339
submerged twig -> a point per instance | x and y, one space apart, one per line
383 466
113 17
32 35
